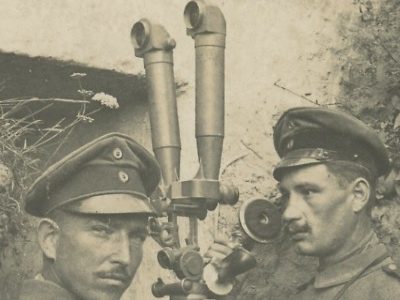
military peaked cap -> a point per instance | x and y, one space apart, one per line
312 135
111 164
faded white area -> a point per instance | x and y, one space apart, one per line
289 42
266 41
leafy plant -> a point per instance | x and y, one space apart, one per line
23 138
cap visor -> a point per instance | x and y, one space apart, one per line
288 163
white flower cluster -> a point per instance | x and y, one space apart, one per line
106 100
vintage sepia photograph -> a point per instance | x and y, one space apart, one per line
199 149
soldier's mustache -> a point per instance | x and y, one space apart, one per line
119 273
292 228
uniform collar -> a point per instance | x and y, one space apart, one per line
40 288
346 269
40 277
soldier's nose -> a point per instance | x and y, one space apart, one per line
122 251
292 210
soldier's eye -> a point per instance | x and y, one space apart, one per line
307 192
283 197
101 229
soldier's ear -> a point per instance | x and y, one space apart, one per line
48 233
361 191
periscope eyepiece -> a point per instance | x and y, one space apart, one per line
260 219
193 14
140 34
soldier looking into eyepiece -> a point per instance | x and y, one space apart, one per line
329 165
330 162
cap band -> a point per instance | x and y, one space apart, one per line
317 153
303 157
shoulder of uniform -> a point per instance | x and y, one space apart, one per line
303 286
11 285
392 270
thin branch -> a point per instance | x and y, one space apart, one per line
16 203
380 42
19 102
75 122
31 115
15 108
332 104
251 149
53 136
5 208
17 132
233 162
294 93
24 100
48 130
16 153
60 144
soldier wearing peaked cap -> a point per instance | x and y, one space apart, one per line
94 207
327 174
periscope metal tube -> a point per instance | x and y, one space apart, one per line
153 43
163 113
206 24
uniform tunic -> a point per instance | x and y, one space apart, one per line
377 282
41 289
